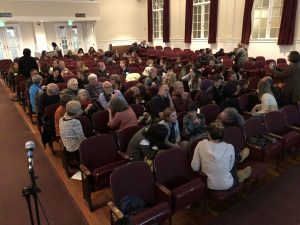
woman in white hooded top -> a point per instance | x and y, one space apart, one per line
216 159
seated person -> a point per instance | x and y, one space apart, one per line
120 114
152 79
82 68
138 94
70 129
216 90
149 65
216 159
230 117
55 77
268 101
169 79
123 68
147 142
115 80
180 98
160 102
60 111
102 70
108 93
93 87
72 87
86 103
134 59
64 70
48 97
34 89
173 138
194 125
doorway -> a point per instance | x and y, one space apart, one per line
9 42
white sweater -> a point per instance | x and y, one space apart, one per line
268 103
216 161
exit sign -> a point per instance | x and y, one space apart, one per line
80 15
5 14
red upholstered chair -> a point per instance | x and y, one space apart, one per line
227 63
99 158
260 58
255 128
211 112
244 103
260 66
125 135
291 116
253 81
87 126
138 109
183 186
281 60
202 98
235 136
100 120
248 69
159 47
277 128
136 179
153 90
62 86
129 84
192 146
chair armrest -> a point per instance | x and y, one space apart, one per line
248 113
253 146
163 193
293 127
114 210
85 171
123 155
275 136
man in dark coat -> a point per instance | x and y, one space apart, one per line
27 63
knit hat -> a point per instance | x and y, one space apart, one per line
73 108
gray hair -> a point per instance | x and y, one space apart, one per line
83 92
52 89
231 117
92 76
71 81
36 79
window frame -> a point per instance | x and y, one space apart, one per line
201 4
269 18
157 8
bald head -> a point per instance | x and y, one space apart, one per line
52 89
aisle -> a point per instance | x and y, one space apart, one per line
57 202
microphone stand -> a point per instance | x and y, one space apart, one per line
32 190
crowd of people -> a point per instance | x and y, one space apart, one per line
165 89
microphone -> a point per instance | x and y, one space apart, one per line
29 146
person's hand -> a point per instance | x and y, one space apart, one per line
196 121
44 87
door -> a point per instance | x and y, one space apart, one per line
70 37
9 42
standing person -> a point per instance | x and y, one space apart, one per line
216 159
241 54
291 76
56 49
27 63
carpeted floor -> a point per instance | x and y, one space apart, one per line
58 205
276 204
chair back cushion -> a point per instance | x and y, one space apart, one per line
253 127
171 168
235 136
274 122
291 115
97 151
134 179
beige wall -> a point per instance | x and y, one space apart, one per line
37 10
122 22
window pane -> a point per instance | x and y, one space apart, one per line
276 11
257 13
274 32
264 13
262 32
275 22
265 3
257 4
263 23
277 3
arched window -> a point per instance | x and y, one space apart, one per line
266 15
200 18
